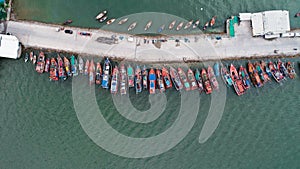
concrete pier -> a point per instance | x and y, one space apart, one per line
190 47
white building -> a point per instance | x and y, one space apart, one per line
268 23
10 46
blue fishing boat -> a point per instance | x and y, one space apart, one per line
74 66
199 80
152 80
106 74
217 69
226 76
138 80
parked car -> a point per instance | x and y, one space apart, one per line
85 33
68 31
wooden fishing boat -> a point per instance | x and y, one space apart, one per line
237 82
98 73
265 68
217 69
138 80
152 81
123 21
206 25
67 66
103 19
262 74
145 77
80 65
213 21
106 74
148 25
212 78
132 26
192 80
130 75
53 70
277 75
47 65
254 75
114 81
61 71
110 21
297 14
226 76
196 24
26 58
166 78
123 82
160 81
207 86
291 70
40 66
92 72
101 14
184 79
74 66
161 28
175 78
86 67
31 56
281 67
67 22
199 80
245 77
172 24
179 26
188 25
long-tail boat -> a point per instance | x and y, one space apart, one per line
245 77
98 73
114 80
166 77
160 81
138 80
53 70
92 72
123 80
207 86
67 66
152 81
130 75
191 78
175 78
40 66
237 82
199 80
212 78
145 77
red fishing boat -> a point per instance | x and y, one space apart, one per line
213 21
98 73
212 78
166 77
47 65
152 81
53 70
191 78
160 81
175 78
40 66
237 82
207 86
61 71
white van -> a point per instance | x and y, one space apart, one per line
288 35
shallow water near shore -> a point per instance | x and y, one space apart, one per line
39 126
83 13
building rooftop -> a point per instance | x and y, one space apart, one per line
9 46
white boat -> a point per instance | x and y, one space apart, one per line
196 24
172 24
179 26
188 25
123 21
110 21
132 26
101 14
148 25
103 19
160 29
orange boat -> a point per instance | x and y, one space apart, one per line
40 66
213 21
237 82
291 70
53 70
191 78
207 87
254 75
98 73
166 77
152 81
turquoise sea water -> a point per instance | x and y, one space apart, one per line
39 127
